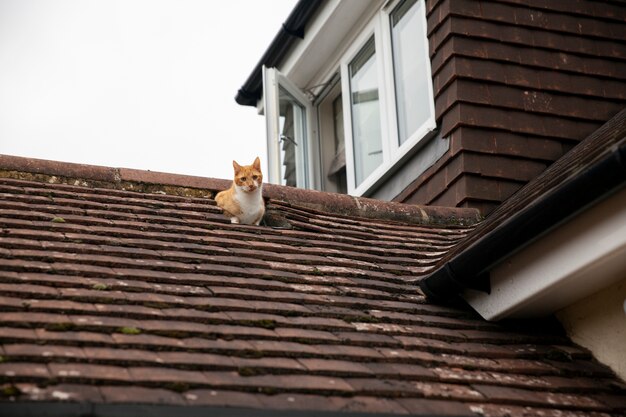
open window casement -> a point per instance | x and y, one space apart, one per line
289 120
373 107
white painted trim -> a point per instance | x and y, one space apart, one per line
430 124
386 100
272 81
571 262
272 125
387 57
347 126
305 173
314 151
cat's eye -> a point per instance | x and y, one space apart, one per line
242 179
255 177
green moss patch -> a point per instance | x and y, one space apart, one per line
10 391
129 330
246 371
100 287
60 327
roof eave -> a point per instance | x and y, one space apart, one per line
469 269
572 262
289 33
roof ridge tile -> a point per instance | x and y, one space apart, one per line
53 172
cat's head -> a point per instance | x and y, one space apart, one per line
248 177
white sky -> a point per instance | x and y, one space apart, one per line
146 84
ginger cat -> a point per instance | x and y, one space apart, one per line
243 201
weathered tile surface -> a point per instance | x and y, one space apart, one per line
111 296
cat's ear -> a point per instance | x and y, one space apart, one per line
257 164
236 166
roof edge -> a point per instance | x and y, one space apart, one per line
290 31
56 172
93 409
469 266
70 173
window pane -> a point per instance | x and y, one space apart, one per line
293 140
410 67
366 133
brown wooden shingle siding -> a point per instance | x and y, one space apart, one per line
483 190
527 56
525 77
450 182
529 101
460 25
552 16
464 114
506 144
517 83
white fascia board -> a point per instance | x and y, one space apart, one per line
571 262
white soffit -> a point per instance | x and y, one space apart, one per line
573 261
325 40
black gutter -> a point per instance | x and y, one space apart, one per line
289 33
470 268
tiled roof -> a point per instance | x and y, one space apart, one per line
118 298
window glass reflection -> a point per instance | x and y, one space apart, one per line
409 65
365 109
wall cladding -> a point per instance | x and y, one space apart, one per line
517 84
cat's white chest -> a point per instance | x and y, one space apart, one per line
251 205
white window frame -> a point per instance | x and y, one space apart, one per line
306 166
377 25
393 152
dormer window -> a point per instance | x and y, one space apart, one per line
379 78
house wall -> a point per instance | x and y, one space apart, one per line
430 151
517 84
598 323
